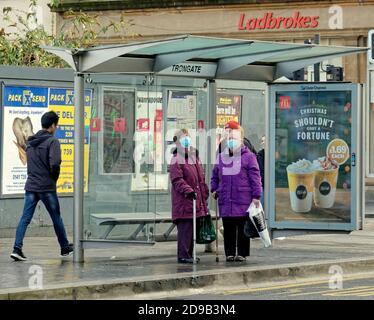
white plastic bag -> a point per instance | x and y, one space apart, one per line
257 217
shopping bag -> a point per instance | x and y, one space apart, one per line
250 230
257 217
205 232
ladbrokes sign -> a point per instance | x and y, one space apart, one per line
271 22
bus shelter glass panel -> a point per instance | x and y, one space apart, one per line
312 157
247 106
118 203
371 124
184 106
134 120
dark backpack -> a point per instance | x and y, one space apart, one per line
249 145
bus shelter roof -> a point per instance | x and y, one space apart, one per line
226 58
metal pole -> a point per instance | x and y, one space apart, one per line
268 197
211 146
78 166
217 232
194 231
317 66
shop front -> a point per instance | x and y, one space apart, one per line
144 92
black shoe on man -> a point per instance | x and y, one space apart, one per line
17 255
67 251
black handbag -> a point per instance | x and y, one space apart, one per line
250 230
205 231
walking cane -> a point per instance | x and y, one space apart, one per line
217 232
194 231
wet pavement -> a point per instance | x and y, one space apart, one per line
137 263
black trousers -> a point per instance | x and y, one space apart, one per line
236 243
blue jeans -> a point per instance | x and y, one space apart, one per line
52 205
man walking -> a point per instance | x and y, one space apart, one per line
43 169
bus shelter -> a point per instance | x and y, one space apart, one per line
144 91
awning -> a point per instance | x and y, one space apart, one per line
227 56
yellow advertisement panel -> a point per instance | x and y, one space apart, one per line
61 101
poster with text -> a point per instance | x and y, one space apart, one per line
23 108
228 108
62 102
181 112
312 156
149 143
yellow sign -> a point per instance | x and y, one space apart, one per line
338 150
62 102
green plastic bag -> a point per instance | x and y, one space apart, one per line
205 231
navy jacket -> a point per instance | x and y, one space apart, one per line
43 162
261 164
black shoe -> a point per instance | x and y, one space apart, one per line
240 259
67 251
18 255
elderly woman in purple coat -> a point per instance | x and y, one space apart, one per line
236 183
188 183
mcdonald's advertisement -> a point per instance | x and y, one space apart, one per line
313 156
23 108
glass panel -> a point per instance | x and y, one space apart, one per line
371 123
118 204
117 144
245 106
184 106
304 54
257 47
128 185
312 156
184 44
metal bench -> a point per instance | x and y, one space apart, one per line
142 219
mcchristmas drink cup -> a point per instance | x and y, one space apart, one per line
301 185
326 177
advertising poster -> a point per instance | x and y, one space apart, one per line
228 108
181 112
312 156
149 144
61 101
23 108
118 132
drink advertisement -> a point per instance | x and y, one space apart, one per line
313 156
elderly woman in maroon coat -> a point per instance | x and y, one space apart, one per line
236 183
188 183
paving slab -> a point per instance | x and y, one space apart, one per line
128 270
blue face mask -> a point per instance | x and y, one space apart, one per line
232 143
185 142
